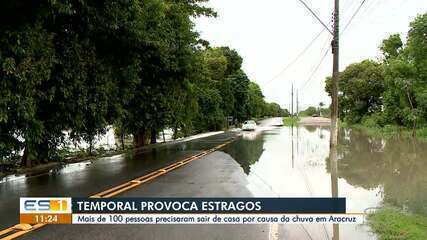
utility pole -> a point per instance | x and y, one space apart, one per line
292 100
297 105
333 155
334 114
335 77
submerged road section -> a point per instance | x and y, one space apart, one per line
211 176
272 161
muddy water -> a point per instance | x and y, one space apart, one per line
370 172
278 161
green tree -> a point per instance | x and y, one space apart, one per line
274 110
309 111
239 86
392 46
82 65
255 101
165 63
26 59
362 86
68 76
405 100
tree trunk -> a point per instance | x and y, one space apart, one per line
122 140
90 147
414 129
43 150
35 153
139 138
25 160
153 136
414 125
175 133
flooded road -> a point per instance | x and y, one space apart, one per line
274 162
370 172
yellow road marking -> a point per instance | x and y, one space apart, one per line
7 230
15 233
20 233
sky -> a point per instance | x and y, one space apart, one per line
270 34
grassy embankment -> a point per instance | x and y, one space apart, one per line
391 224
390 131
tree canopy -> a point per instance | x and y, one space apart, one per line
392 90
79 66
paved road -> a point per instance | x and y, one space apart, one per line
216 175
87 178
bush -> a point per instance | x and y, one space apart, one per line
352 119
374 120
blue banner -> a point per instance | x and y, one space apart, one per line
209 205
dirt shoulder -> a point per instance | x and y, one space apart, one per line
315 121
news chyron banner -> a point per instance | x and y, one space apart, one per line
186 211
45 210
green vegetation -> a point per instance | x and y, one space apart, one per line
79 66
310 111
290 121
389 98
392 91
320 111
391 224
388 131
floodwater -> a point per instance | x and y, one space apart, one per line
370 172
278 161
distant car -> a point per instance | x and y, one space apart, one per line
249 125
315 115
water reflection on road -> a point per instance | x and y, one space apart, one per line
369 171
278 161
86 178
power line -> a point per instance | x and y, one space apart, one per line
367 10
347 6
317 67
296 58
354 15
315 70
315 15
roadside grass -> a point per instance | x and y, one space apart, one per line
389 131
391 224
290 121
422 134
